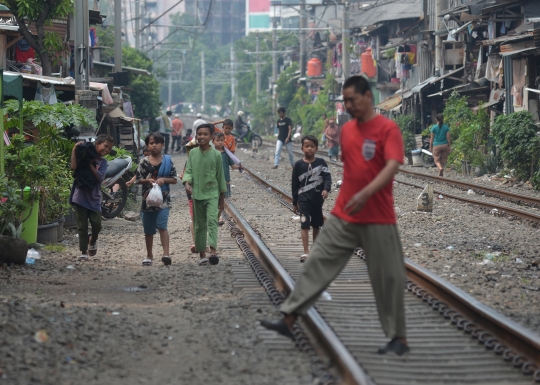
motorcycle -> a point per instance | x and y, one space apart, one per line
427 156
250 137
114 188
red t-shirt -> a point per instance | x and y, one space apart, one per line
366 147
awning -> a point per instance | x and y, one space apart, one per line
505 39
420 86
136 71
508 53
389 104
446 75
496 96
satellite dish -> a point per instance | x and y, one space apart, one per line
309 7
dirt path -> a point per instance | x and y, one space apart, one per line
111 321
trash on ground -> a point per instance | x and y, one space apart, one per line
450 248
326 296
33 254
486 262
30 261
471 192
417 244
519 260
41 336
424 202
440 196
115 313
70 267
295 217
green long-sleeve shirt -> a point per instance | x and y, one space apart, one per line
204 171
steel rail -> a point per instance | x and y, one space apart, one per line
479 317
351 371
488 191
501 209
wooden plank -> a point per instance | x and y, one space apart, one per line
12 42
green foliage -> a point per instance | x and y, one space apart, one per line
468 130
50 120
54 191
519 146
261 115
122 152
286 86
12 206
406 125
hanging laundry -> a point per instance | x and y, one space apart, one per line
23 51
45 93
493 69
92 34
520 71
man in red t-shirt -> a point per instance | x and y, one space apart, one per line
372 150
177 128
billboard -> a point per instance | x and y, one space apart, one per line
258 16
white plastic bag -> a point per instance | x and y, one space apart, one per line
155 197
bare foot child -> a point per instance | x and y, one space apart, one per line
311 182
205 182
156 168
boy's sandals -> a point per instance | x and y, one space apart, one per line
83 257
147 262
203 262
192 248
166 260
92 249
303 257
214 259
221 223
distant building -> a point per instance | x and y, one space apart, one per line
225 21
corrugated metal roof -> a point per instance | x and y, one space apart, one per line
389 104
390 10
417 88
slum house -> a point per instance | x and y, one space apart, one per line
499 41
19 59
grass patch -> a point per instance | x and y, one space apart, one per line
55 248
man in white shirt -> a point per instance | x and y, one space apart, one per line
198 122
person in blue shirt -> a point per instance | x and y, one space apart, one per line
440 143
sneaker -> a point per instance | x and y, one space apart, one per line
275 167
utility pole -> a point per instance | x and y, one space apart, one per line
81 45
257 68
303 26
274 62
117 34
232 73
345 42
137 24
203 81
170 81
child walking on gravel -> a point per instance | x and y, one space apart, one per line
311 182
156 169
90 166
204 180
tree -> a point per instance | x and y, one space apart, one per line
40 13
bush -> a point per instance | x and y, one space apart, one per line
406 125
519 146
468 130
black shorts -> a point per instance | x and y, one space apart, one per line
311 215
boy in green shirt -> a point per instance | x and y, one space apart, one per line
205 182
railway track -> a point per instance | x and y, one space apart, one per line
493 208
446 326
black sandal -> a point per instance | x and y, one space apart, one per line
214 259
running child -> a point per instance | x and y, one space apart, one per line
219 143
311 182
156 168
205 182
90 166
